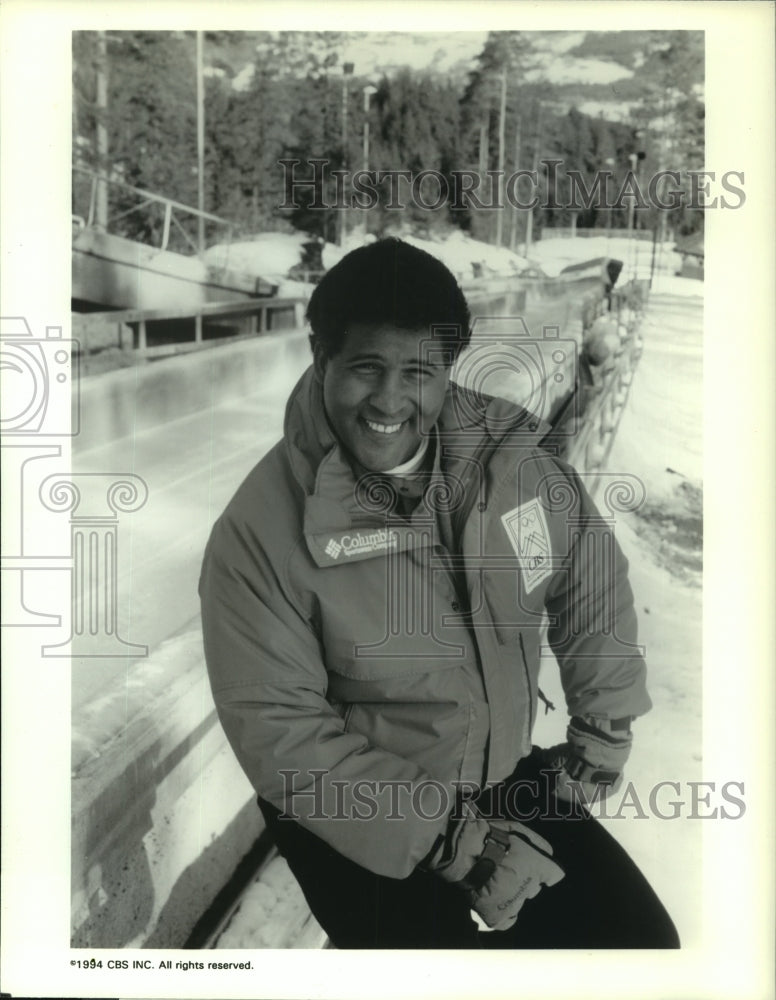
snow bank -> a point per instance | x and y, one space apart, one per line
274 255
269 255
553 253
456 250
671 284
461 253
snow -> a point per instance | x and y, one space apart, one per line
273 255
379 53
670 284
459 252
661 430
270 255
272 914
576 70
455 249
553 253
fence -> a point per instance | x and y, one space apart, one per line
177 331
93 211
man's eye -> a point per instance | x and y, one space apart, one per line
366 368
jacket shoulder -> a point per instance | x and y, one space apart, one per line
471 414
262 521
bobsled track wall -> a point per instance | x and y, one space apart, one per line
162 816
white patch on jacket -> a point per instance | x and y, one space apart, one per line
529 536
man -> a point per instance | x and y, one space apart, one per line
372 603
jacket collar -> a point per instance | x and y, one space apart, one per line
334 513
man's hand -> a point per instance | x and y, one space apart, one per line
592 759
498 864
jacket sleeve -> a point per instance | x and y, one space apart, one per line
593 628
269 683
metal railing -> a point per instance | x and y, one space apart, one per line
169 223
128 329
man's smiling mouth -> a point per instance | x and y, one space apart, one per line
383 428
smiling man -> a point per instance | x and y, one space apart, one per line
382 392
372 600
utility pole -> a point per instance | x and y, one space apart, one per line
101 193
515 211
368 91
347 70
632 254
529 220
501 131
200 143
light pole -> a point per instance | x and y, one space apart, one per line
609 162
101 193
368 90
347 70
529 218
634 161
200 142
501 131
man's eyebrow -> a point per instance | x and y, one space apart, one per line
413 359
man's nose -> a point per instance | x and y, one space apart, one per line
389 396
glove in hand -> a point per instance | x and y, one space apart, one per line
592 759
499 864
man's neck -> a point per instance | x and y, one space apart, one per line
413 464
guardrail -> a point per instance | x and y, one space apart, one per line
101 183
606 385
130 330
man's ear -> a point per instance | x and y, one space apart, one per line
320 360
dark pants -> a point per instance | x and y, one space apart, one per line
603 902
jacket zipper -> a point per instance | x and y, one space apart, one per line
528 685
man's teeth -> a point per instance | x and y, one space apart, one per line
383 428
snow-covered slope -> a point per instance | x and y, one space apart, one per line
273 255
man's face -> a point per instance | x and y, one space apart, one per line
383 391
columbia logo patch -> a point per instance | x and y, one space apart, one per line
529 536
333 549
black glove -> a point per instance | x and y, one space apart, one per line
497 863
593 758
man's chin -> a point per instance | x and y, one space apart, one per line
376 458
373 461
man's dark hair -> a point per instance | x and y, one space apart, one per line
390 282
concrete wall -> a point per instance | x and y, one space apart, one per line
163 815
161 812
131 275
